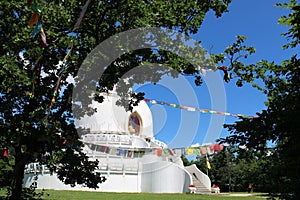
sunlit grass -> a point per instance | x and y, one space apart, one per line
82 195
51 194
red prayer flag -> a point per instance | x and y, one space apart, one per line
33 19
218 147
5 152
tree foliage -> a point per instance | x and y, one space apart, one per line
41 46
278 124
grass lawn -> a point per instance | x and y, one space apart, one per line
81 195
66 195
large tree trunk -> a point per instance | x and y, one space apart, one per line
18 175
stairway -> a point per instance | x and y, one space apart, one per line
199 179
200 188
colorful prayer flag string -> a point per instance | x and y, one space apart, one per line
35 21
60 77
193 109
189 108
202 151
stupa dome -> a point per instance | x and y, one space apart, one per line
111 118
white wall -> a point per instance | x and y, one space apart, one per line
163 177
114 183
148 174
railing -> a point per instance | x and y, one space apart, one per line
106 168
200 176
120 140
107 139
36 168
160 144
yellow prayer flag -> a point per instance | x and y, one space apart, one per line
208 163
189 151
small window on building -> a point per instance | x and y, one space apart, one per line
135 124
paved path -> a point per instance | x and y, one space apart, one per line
244 195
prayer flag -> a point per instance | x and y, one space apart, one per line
191 109
158 151
33 19
5 152
165 152
171 152
178 152
43 36
189 151
197 151
203 150
207 163
122 152
36 29
183 107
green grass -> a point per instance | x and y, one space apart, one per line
81 195
74 195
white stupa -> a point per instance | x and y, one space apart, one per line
129 156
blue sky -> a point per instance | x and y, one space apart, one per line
255 19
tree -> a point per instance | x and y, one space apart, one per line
6 170
222 169
278 124
45 42
235 167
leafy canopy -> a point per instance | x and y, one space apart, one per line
43 43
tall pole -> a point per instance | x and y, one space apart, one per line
206 162
229 170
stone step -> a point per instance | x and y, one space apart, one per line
200 188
